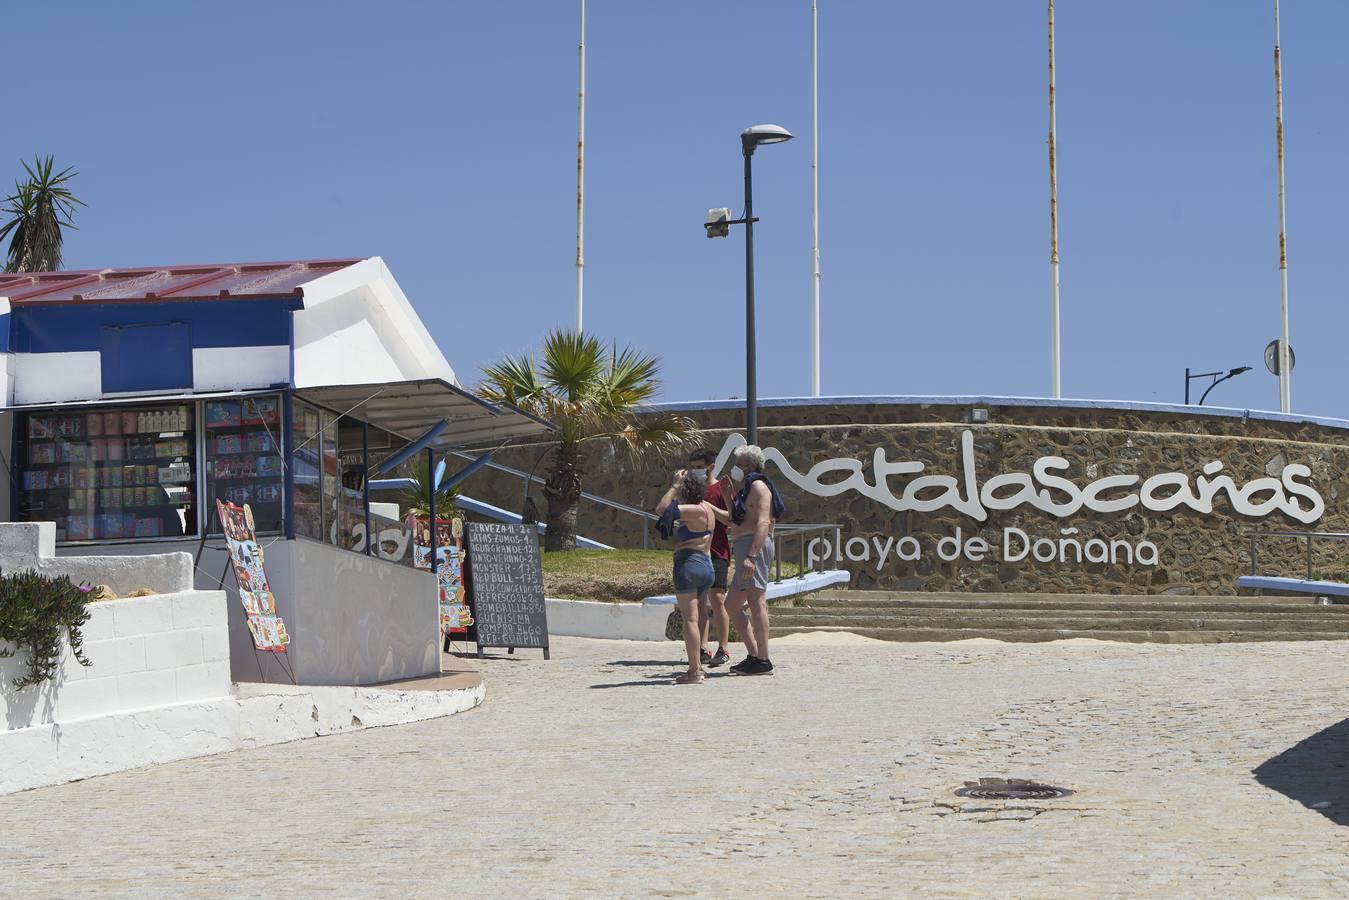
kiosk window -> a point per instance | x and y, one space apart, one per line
243 459
127 472
305 460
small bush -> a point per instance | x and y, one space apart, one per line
35 612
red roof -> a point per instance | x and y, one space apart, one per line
228 280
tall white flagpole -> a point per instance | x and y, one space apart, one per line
1053 223
580 177
815 207
1285 375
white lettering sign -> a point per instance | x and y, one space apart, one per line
1290 493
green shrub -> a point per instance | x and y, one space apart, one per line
35 611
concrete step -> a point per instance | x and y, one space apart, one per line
990 624
834 595
915 635
995 614
981 601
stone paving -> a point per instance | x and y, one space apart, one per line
1199 770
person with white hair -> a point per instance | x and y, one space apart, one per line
750 527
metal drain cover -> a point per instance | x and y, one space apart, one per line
1010 789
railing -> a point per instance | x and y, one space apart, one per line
646 517
800 532
1309 536
781 538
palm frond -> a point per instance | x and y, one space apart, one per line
573 364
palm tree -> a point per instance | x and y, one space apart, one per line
416 499
594 396
40 207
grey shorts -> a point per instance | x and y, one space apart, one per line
763 562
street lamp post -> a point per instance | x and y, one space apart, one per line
718 222
1218 378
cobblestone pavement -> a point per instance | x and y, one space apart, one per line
1197 770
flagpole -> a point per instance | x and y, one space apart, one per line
580 176
1285 363
814 206
1053 223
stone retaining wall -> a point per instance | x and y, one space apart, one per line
1197 553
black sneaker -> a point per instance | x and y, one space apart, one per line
743 667
705 657
719 659
760 667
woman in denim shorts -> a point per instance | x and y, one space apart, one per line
692 559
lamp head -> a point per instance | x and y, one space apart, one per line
762 134
1238 370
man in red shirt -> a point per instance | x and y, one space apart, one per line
718 494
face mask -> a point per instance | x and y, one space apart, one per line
698 475
737 473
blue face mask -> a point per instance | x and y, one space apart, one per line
698 475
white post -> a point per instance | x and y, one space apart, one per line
1053 225
814 209
1285 375
580 176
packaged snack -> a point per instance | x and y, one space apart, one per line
269 466
229 443
112 423
70 426
129 496
116 475
39 426
139 496
93 424
110 525
149 528
258 442
222 415
129 423
42 453
116 449
267 493
82 477
260 411
35 480
77 528
239 494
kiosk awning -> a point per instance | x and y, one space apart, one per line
409 408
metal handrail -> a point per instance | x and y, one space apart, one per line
1308 536
787 530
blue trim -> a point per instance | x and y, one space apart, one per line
6 324
290 341
1217 412
146 357
288 488
215 323
1297 585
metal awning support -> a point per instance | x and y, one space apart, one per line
411 449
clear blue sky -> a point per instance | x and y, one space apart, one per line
441 136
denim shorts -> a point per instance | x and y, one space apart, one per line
692 572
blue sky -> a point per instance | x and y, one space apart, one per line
441 136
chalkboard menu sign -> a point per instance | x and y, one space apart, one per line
505 581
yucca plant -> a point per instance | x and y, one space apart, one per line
416 500
40 208
594 395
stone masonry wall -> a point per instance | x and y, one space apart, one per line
1197 553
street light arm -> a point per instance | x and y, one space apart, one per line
1216 382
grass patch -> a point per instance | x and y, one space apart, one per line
622 576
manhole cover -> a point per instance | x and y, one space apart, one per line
1010 789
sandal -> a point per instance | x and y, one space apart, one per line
697 677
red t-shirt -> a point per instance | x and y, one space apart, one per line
721 545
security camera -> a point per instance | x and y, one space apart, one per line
717 220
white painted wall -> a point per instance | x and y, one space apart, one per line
144 653
57 377
358 327
230 368
614 621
